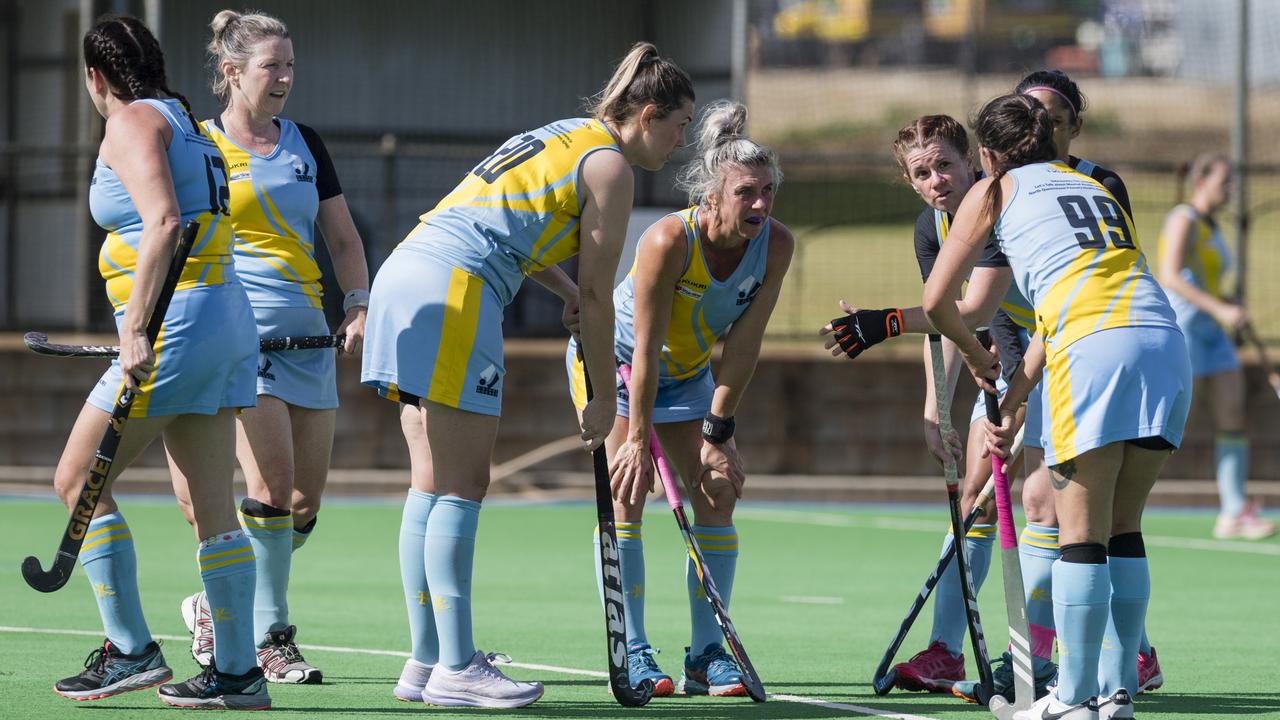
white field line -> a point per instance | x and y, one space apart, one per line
525 666
910 525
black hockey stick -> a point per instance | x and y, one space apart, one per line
100 469
1015 602
985 682
615 618
750 679
38 343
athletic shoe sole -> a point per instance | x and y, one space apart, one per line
663 687
222 702
141 681
407 694
312 676
692 687
1155 682
472 700
913 683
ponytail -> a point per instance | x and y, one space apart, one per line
641 78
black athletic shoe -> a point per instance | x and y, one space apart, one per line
213 689
107 672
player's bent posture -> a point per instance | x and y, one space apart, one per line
1193 260
711 271
1117 385
283 185
434 338
157 170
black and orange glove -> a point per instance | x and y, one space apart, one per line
858 331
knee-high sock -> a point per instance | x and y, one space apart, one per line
1130 592
719 547
1081 607
1231 459
270 531
1144 646
413 577
302 534
227 568
1037 550
949 623
450 551
111 565
631 564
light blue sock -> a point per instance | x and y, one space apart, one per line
631 564
111 565
1231 460
1037 551
302 534
270 532
719 547
413 577
1145 646
949 623
450 551
226 565
1130 591
1081 602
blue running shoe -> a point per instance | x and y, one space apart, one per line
713 672
1002 677
641 666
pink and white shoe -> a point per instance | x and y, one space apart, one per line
933 669
1149 675
195 613
1248 525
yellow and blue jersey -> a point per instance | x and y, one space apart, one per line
1205 262
274 202
519 210
703 307
200 183
1075 256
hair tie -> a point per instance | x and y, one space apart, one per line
1074 113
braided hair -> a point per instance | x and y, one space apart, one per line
1019 131
130 59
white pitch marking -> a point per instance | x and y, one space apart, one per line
813 599
525 666
911 525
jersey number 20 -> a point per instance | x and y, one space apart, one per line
1080 214
508 156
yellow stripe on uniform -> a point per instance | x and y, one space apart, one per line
1062 426
104 540
205 567
457 337
225 558
261 523
104 530
578 384
143 400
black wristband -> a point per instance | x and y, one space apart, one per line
717 430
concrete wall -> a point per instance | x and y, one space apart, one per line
803 414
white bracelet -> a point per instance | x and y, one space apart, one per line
355 299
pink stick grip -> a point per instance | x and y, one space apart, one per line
655 449
1004 505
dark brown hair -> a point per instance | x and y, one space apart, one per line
130 60
1019 131
927 129
642 77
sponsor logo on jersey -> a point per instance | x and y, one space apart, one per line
488 384
690 288
236 177
264 371
302 171
747 290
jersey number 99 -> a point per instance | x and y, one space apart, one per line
1080 214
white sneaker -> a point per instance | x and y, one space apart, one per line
1118 705
479 684
1048 708
413 678
195 613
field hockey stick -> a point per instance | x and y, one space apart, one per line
38 343
883 680
99 470
750 680
1273 377
1015 602
957 526
615 618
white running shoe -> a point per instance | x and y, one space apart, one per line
479 684
1118 705
195 613
1048 708
413 678
282 662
